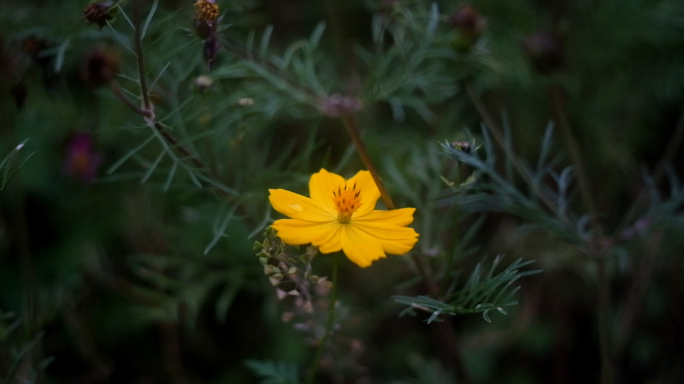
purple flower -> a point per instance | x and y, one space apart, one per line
81 160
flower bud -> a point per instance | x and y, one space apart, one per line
203 28
99 12
202 84
469 26
462 145
281 294
545 51
245 102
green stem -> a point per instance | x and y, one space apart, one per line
361 150
141 61
603 304
147 111
497 134
671 150
573 148
329 324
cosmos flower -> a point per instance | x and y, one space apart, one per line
341 215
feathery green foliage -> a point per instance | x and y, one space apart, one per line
481 293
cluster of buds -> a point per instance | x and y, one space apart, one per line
306 298
282 263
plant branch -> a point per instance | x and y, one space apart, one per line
147 111
147 104
332 306
118 92
498 135
635 296
573 147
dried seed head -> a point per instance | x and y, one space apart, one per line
98 12
206 10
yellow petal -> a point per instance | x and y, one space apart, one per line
322 185
394 240
326 236
300 207
400 217
369 192
360 247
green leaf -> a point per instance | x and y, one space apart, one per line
13 162
274 372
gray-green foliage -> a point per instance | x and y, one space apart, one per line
19 347
481 293
213 141
274 372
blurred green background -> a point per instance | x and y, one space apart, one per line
132 276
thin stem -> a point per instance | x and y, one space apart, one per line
573 147
148 108
361 150
603 278
118 92
498 135
444 332
139 54
332 306
635 297
671 150
603 304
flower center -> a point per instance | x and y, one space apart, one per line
347 200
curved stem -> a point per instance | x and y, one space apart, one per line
361 150
444 333
329 324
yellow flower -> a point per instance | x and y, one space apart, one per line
340 215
